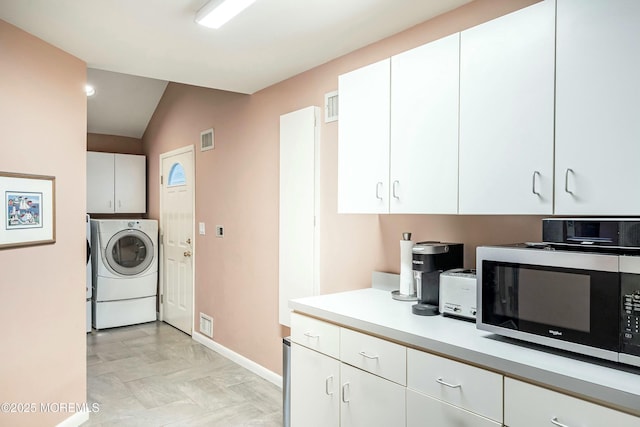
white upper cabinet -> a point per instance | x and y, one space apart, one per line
507 114
398 133
363 139
130 183
597 107
116 183
424 128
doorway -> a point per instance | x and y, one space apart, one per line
177 209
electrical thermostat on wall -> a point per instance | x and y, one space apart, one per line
219 231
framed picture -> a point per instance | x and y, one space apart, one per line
29 210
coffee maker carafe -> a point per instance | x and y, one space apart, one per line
429 260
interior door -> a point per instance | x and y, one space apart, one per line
177 224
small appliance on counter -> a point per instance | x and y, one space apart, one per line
578 291
429 260
458 293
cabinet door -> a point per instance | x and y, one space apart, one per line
315 392
597 108
370 401
130 183
363 139
507 113
526 405
424 128
425 411
100 182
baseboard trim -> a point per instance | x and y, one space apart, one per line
254 367
75 420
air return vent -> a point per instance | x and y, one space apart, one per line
206 140
206 325
331 106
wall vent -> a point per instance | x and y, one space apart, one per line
331 106
206 140
206 325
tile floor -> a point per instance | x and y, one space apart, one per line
154 375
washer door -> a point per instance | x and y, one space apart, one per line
129 252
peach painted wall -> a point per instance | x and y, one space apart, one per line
237 186
42 288
114 144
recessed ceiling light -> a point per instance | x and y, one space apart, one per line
90 90
216 13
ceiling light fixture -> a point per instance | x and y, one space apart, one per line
89 90
216 13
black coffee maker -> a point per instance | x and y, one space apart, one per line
429 260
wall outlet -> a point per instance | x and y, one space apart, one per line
219 231
206 325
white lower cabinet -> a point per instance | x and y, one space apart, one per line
425 411
526 405
326 393
469 388
370 401
315 391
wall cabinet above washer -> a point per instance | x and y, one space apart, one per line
116 183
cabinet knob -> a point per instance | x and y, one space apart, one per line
394 191
555 422
537 193
566 181
378 185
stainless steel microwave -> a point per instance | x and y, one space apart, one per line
585 302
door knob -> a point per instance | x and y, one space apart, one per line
187 253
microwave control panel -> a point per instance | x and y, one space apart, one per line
630 320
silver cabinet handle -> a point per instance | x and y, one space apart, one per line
378 185
441 381
566 181
345 387
310 335
555 422
328 390
363 354
394 192
534 183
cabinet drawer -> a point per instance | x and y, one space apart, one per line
371 354
315 334
526 405
468 387
423 410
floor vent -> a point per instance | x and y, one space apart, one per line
206 325
206 140
331 106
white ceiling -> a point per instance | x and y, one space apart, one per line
269 42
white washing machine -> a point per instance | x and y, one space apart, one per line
125 271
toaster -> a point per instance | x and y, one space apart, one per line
458 293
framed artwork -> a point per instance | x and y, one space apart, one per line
28 214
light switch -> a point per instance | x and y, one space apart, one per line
201 228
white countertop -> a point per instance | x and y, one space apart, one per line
374 311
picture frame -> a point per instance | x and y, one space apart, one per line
28 215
